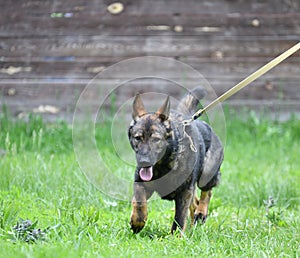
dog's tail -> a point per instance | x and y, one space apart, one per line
190 101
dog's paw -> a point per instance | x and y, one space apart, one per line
200 217
137 225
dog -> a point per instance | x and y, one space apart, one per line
173 159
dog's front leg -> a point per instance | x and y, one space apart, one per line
182 204
139 208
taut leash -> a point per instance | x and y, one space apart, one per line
244 82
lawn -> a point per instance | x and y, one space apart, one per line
253 213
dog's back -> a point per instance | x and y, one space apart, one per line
209 176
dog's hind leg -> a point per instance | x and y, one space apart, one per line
193 207
206 193
202 208
182 204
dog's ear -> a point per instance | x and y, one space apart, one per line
138 107
164 111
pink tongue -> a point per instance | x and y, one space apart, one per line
146 174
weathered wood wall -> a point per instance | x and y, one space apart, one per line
51 49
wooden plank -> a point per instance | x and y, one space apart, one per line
144 19
104 46
280 109
154 6
148 24
62 90
231 68
45 18
31 95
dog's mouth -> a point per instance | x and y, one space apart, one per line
146 173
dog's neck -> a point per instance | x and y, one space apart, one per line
173 145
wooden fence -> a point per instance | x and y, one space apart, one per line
50 50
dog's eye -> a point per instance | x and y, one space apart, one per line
138 138
156 139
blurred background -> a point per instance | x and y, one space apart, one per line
50 50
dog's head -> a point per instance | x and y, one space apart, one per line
148 133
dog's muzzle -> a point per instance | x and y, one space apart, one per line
145 163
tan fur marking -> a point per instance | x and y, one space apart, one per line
202 207
193 207
138 215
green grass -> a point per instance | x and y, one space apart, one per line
40 180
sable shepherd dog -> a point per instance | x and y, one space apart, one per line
172 160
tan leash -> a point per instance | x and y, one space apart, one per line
244 82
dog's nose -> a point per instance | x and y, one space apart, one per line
143 161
